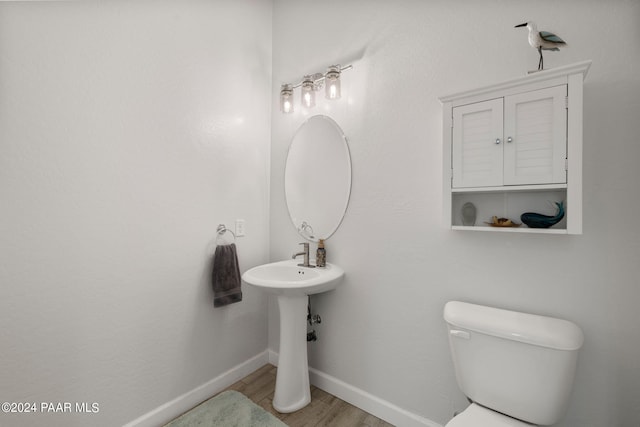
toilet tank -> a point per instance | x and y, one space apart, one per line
516 363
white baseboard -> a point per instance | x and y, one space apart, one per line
273 357
367 402
170 410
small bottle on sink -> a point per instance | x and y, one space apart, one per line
321 255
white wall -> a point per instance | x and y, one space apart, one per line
382 330
128 132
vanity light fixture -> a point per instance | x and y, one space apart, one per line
286 99
308 92
309 85
332 82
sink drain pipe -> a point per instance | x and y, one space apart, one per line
312 319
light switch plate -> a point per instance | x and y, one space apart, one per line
240 227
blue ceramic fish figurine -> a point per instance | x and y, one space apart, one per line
536 220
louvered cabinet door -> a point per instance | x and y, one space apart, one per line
477 157
535 131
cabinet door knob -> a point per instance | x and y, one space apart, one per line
497 140
509 139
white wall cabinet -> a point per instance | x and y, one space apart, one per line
515 140
515 147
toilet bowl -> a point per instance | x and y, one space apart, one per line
479 416
516 368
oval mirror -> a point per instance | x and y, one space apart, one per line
317 178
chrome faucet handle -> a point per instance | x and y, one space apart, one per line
305 253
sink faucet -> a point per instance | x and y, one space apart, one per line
305 252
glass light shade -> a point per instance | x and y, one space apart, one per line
332 82
308 93
286 99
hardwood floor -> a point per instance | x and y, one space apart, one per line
324 409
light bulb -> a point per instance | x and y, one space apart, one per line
308 92
332 82
287 107
286 99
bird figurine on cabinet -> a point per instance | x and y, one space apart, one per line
542 40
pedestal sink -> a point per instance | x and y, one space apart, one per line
292 284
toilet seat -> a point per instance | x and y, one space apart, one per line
479 416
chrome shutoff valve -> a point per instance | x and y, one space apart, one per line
314 319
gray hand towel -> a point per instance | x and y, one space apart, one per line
225 277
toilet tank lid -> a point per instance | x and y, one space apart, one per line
512 325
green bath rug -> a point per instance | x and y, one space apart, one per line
227 409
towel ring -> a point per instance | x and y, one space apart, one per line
223 229
305 228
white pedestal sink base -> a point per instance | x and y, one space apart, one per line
292 379
292 284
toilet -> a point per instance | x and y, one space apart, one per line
517 369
